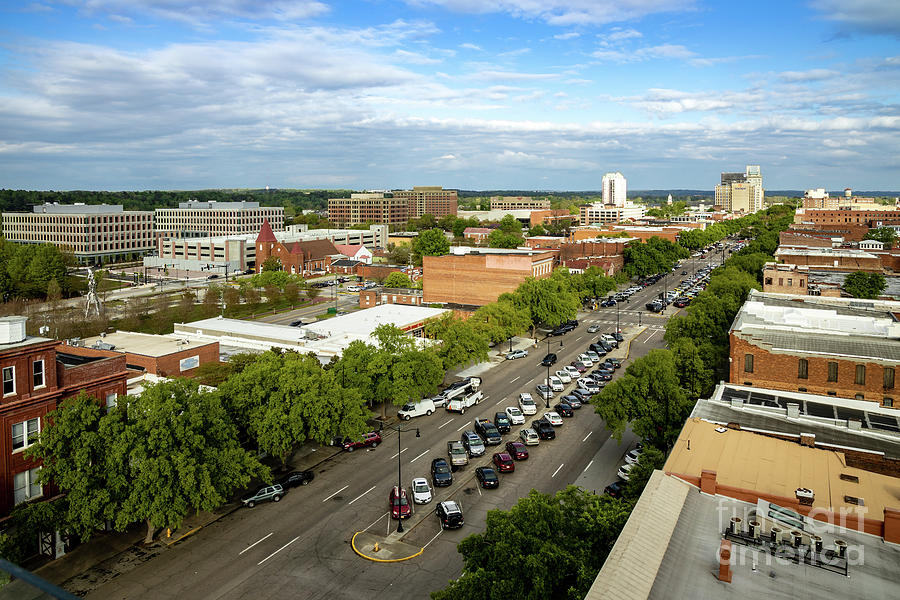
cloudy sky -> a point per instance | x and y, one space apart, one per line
471 94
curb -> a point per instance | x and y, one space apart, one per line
380 560
628 348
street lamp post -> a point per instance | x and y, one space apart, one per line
617 318
547 396
400 472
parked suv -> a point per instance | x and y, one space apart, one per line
487 430
371 439
450 514
472 443
269 492
501 422
457 453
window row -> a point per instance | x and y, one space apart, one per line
803 372
9 377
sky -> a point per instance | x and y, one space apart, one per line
467 94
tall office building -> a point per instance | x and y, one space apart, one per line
392 208
614 189
207 219
741 192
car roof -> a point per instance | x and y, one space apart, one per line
438 461
420 480
450 506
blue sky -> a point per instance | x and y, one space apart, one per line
471 94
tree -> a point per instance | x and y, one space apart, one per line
231 297
253 297
292 293
273 263
537 230
650 460
312 292
860 284
399 254
885 235
432 242
400 372
461 342
543 547
550 301
396 279
649 397
510 224
500 320
695 378
501 239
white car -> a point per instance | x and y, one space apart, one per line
573 372
632 456
556 384
624 472
421 493
554 418
588 386
526 403
564 376
595 358
515 415
517 354
529 437
585 360
593 329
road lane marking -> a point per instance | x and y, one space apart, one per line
435 537
396 454
255 543
419 456
478 487
647 339
336 493
277 551
445 423
378 519
557 470
588 467
587 436
514 380
361 495
464 425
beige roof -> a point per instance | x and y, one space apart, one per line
146 344
630 569
768 466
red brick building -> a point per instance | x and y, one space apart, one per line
869 218
304 258
478 235
830 259
37 374
160 355
829 346
409 297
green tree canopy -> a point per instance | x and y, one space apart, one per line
397 279
510 224
537 230
501 239
431 242
273 263
461 341
501 320
885 235
861 284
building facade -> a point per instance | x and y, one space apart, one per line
94 233
614 189
519 203
741 192
392 208
847 216
476 277
301 258
590 214
37 374
211 219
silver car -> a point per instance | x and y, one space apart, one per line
529 437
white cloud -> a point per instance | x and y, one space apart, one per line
810 75
566 36
619 35
663 51
496 75
415 58
874 16
565 12
200 12
469 46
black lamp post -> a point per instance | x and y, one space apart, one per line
617 318
547 396
400 473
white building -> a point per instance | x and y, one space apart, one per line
590 214
614 189
741 192
210 219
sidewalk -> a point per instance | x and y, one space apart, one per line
601 470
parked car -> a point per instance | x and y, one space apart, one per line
572 400
502 422
624 472
487 477
450 514
488 432
516 354
457 453
593 329
579 366
399 503
298 323
544 391
526 403
563 376
371 439
263 494
564 410
504 462
598 349
595 358
472 443
295 478
416 409
517 450
549 360
632 456
530 437
516 417
544 429
583 394
553 418
588 386
440 473
615 363
421 492
614 489
585 360
556 384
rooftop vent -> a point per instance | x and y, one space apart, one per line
12 330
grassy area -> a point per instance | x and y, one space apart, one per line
79 284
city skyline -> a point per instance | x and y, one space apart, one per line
498 94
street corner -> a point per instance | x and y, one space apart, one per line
383 549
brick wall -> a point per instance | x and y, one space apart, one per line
779 371
475 279
792 238
827 262
784 281
379 272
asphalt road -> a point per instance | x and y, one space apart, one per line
300 547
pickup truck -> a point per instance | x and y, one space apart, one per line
457 453
458 388
461 403
487 430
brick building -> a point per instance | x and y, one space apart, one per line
37 374
546 217
160 355
477 277
303 258
392 208
843 216
477 235
845 233
797 239
831 346
544 241
669 233
518 203
409 297
830 259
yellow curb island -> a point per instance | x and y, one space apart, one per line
380 560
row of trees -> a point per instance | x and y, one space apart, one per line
655 256
33 271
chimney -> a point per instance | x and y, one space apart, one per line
808 439
725 561
793 411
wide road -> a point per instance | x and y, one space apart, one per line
300 547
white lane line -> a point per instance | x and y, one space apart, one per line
435 537
418 457
499 402
464 425
557 470
647 339
277 551
336 493
514 380
587 436
378 519
254 543
361 495
478 487
396 454
445 423
588 467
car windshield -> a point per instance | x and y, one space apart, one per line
420 487
442 469
514 412
457 450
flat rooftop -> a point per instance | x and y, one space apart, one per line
829 252
524 251
145 344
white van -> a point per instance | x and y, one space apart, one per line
416 409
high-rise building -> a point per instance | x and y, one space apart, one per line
614 189
394 207
209 219
741 192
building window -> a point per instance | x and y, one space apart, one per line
803 369
25 433
889 402
9 380
832 371
111 400
888 378
748 363
37 373
860 374
26 485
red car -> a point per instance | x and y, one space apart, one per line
517 450
504 462
399 503
370 439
